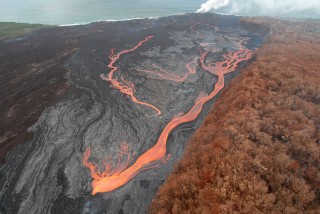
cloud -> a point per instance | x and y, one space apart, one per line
284 8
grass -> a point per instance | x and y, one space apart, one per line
12 29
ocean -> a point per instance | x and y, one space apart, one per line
67 12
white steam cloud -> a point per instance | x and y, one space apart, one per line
284 8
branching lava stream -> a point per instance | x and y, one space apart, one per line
108 181
125 87
164 74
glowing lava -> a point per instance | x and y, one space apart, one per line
125 87
164 74
108 181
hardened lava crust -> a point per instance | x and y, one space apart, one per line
85 103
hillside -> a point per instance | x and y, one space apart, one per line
95 116
258 150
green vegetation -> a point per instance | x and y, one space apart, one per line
12 29
317 21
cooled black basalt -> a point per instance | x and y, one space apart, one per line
46 174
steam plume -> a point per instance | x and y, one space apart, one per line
286 8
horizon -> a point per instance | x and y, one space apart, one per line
80 12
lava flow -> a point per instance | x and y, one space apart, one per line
164 74
125 87
108 181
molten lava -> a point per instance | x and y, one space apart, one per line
164 74
125 87
110 180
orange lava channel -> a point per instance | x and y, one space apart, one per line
109 181
166 75
125 87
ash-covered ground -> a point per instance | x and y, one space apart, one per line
46 174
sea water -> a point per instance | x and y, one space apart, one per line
64 12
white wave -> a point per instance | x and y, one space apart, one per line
74 24
114 20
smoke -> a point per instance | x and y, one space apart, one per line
284 8
213 5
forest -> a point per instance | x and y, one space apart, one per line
258 151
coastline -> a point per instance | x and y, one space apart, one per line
99 20
292 19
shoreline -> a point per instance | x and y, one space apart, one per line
102 20
290 19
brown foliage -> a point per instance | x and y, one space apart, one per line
258 151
